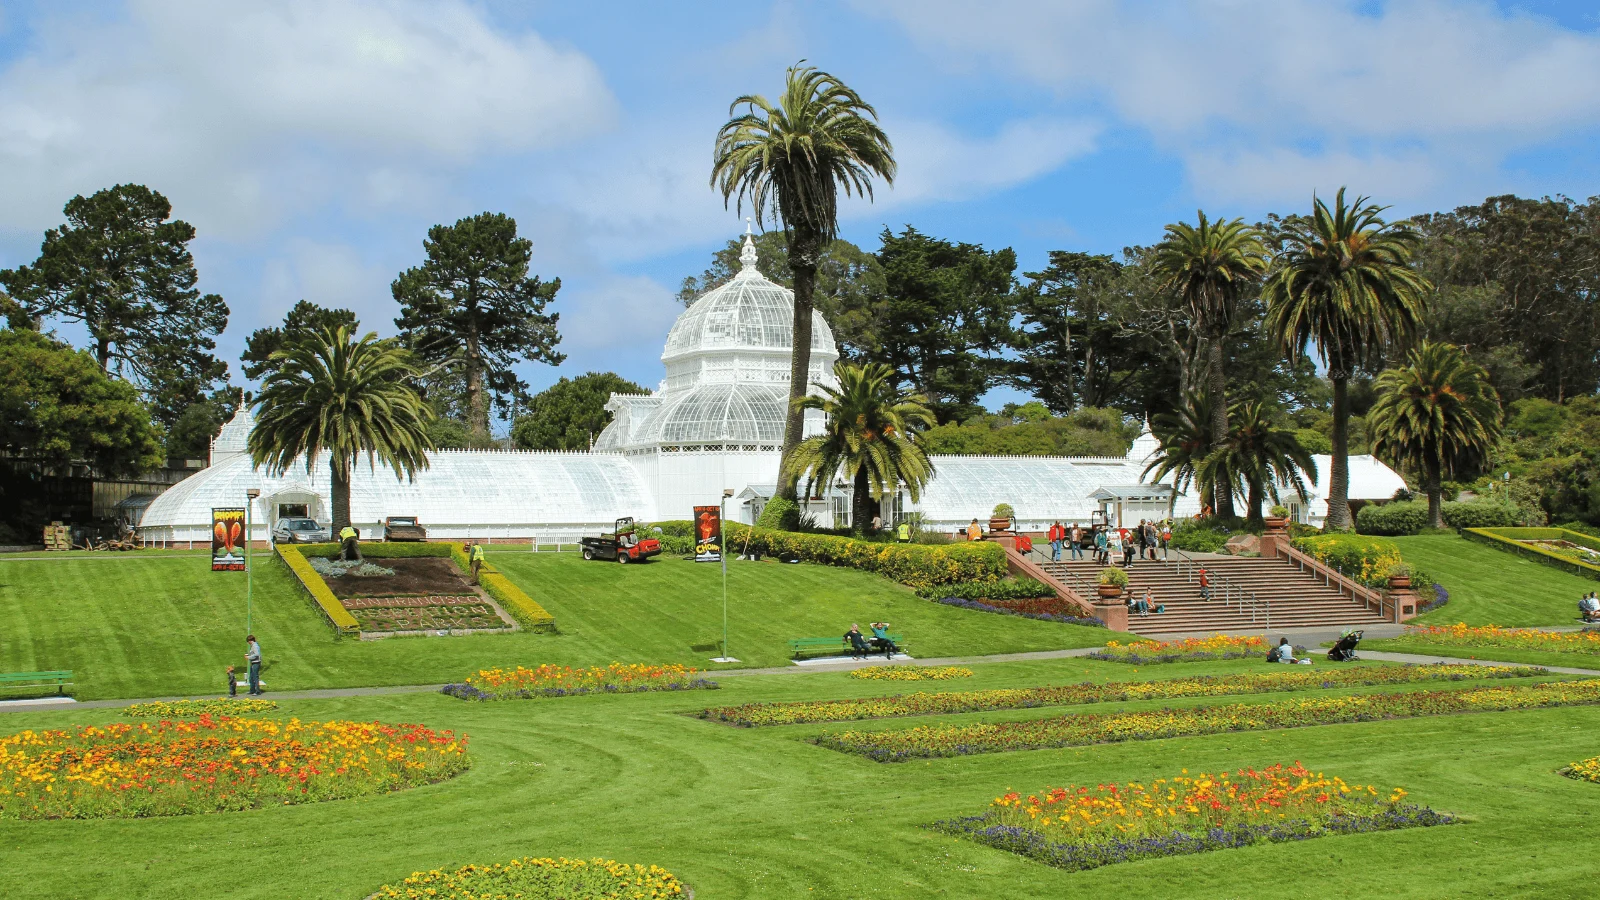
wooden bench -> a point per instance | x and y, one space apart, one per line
837 645
60 680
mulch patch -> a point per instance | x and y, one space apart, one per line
429 575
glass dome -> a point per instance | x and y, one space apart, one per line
750 314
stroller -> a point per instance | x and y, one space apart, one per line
1345 649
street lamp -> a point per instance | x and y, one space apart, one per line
722 543
250 495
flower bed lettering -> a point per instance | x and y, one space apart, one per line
904 705
1082 827
169 768
534 878
1083 729
562 681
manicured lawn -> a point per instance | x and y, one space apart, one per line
135 625
760 813
1493 587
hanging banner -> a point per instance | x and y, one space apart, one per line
227 540
707 533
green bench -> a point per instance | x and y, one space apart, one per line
836 645
60 680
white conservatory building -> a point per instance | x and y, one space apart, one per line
714 424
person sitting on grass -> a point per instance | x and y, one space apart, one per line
1589 607
1285 652
858 642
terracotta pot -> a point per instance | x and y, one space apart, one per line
1110 591
1399 582
1276 524
999 524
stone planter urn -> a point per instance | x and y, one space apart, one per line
999 524
1399 582
1110 591
1275 523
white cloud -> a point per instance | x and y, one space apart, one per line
1229 86
937 163
248 114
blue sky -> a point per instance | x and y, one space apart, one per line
313 142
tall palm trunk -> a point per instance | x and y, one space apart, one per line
1430 484
861 503
341 497
1258 493
1217 384
804 252
1339 469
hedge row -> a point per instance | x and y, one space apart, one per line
1511 539
1411 517
913 565
1005 589
522 607
338 616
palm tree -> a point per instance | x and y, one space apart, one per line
870 438
348 397
1344 280
1259 456
1210 266
1185 435
789 161
1437 416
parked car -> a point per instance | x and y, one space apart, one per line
299 531
623 545
403 528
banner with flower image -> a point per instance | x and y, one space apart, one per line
227 540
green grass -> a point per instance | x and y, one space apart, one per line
760 813
136 625
1493 587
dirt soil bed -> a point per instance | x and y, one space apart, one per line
429 575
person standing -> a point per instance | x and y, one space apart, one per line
252 656
903 533
1205 584
1166 538
1102 546
1075 539
1127 549
1057 535
475 558
877 523
350 538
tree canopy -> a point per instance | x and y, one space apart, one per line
303 318
569 414
471 312
121 267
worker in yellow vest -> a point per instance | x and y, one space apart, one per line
350 538
904 532
476 558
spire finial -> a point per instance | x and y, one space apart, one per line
747 256
747 225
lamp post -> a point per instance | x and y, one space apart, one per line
722 544
250 495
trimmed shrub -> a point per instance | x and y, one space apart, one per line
1360 557
779 514
672 528
1480 514
321 595
1004 589
1511 539
1392 518
913 565
1195 537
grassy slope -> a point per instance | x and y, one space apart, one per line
138 626
1493 587
759 813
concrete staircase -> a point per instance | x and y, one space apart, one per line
1282 595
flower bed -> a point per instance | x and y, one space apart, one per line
1584 770
536 878
1490 636
1082 729
1081 827
179 709
211 764
563 681
1027 611
911 673
903 705
913 565
443 614
1217 646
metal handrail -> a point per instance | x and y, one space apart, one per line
1088 590
1231 593
1334 577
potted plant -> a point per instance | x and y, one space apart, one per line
1278 518
1399 576
1113 581
1000 519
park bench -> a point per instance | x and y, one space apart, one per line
60 680
835 645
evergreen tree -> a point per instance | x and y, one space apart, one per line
304 317
569 414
